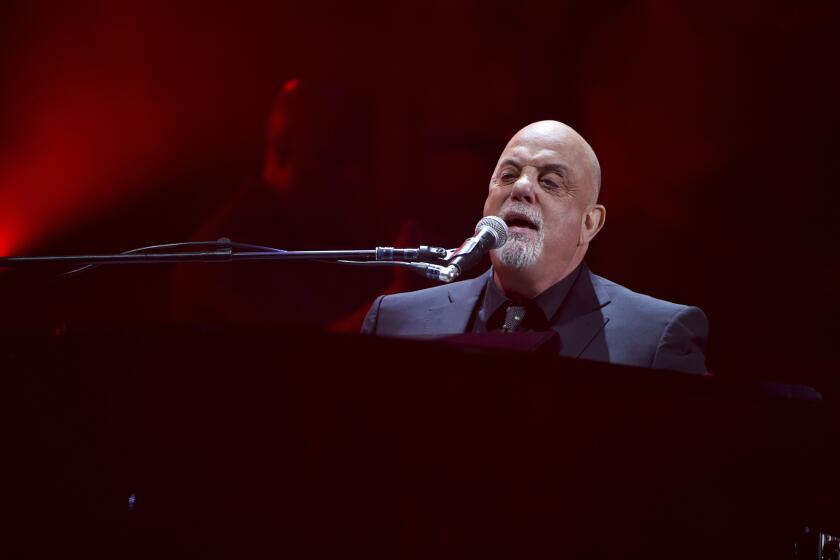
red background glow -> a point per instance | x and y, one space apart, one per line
126 124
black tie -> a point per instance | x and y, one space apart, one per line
514 314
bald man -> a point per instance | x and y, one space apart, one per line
545 187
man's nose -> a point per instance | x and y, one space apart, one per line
523 189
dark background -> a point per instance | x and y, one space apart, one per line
130 124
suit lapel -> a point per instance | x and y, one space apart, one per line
581 316
453 315
578 322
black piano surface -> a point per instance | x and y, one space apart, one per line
305 445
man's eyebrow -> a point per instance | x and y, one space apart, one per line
558 168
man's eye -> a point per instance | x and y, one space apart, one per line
507 176
551 182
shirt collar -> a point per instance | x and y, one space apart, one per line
548 302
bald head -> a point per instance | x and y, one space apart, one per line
545 187
562 137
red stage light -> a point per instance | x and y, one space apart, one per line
291 85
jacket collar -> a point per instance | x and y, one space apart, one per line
578 321
581 317
453 314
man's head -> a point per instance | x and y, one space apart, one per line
320 135
545 186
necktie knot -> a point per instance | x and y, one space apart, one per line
514 315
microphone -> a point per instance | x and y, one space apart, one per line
491 232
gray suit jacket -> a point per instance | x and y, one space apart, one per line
599 320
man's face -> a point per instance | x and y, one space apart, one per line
542 187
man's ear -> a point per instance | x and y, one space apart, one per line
593 221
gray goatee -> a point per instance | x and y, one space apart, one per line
522 249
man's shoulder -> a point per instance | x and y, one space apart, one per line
625 299
417 297
444 308
636 319
443 293
650 332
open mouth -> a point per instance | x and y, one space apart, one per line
517 221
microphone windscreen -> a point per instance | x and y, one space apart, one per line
497 226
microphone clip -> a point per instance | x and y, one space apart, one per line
424 253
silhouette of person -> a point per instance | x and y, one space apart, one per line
316 190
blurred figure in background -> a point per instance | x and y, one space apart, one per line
316 190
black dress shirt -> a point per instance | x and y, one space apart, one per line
539 314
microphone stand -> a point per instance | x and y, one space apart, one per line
218 255
426 260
